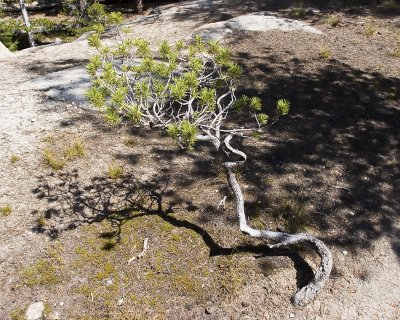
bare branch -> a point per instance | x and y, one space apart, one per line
308 292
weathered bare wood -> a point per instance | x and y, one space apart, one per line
306 294
26 21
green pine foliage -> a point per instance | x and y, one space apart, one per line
186 89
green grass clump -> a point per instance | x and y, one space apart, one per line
298 12
396 52
129 142
14 159
53 160
325 53
76 150
332 20
42 272
57 157
370 31
6 210
115 171
18 314
390 6
292 212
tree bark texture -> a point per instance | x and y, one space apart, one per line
306 294
82 5
26 21
138 6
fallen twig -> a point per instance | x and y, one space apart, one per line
140 255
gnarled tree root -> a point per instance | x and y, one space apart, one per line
307 293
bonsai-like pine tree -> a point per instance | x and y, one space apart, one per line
189 90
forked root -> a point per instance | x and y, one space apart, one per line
307 293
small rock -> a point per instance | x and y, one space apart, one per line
109 282
291 315
33 120
209 310
344 252
61 303
120 302
245 304
312 11
55 315
35 311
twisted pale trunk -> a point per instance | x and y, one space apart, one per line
26 21
306 294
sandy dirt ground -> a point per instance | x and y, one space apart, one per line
337 152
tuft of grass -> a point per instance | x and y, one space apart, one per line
76 150
18 313
41 222
53 160
298 12
14 159
115 171
390 6
332 20
42 272
293 213
6 210
325 53
129 142
396 52
370 31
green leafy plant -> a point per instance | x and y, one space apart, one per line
8 29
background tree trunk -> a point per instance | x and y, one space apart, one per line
82 5
138 6
26 21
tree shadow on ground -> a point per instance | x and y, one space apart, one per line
117 201
214 11
42 68
341 143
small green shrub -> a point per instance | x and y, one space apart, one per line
8 29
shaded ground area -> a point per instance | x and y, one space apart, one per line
331 167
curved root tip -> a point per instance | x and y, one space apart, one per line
303 297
